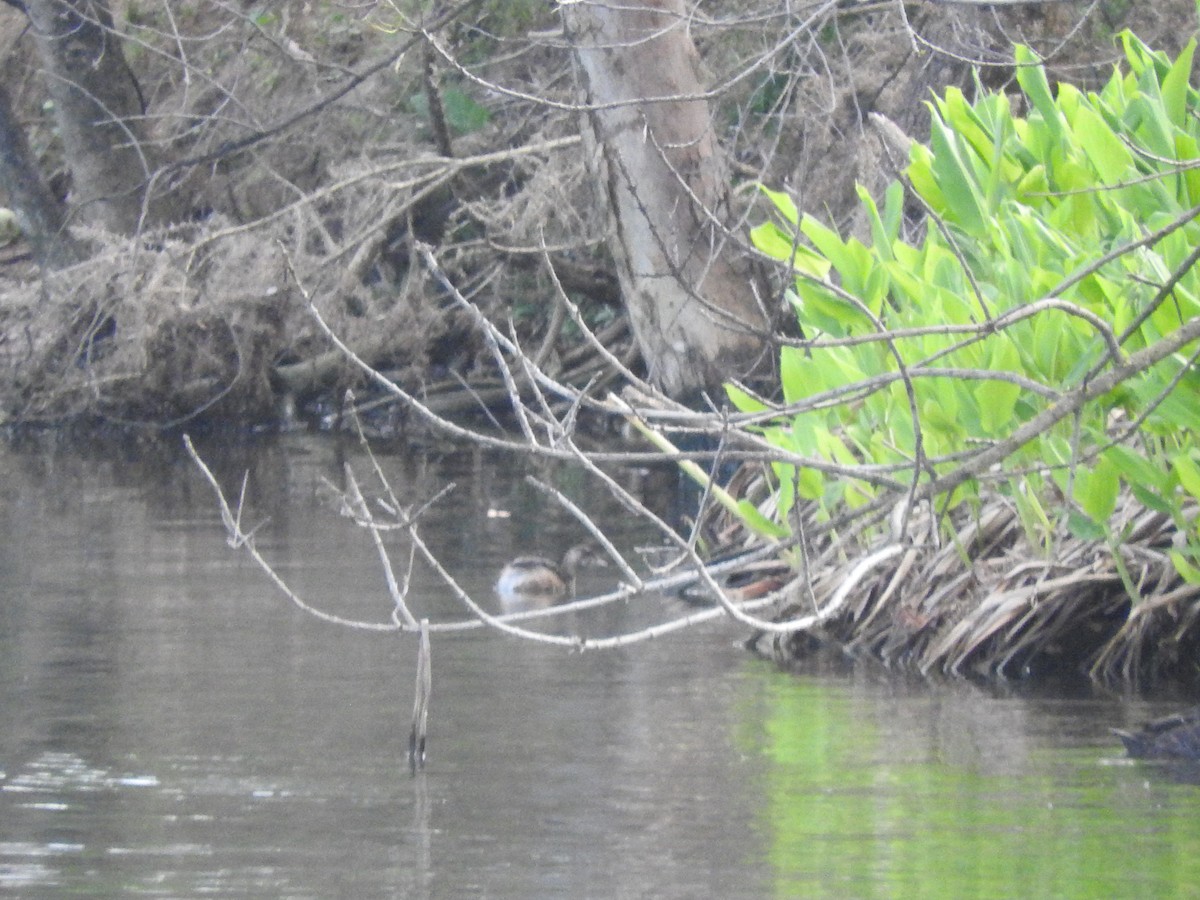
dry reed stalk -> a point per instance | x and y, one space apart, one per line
992 601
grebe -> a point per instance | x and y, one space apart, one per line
1172 737
536 578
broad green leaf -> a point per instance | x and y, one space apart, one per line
1188 150
1188 473
784 203
962 118
1181 410
772 240
1085 528
851 259
920 173
834 448
753 518
808 263
811 484
1137 469
1136 53
893 211
785 490
743 401
1096 490
1175 87
964 203
778 244
1108 154
824 309
882 234
997 399
1148 123
800 375
937 418
1153 501
1032 79
1034 182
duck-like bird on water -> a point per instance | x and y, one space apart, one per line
1171 737
537 579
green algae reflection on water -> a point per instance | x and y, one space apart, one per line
871 796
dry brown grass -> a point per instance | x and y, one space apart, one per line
978 597
149 330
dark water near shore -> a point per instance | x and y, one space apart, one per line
171 726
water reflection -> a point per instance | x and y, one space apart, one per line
172 726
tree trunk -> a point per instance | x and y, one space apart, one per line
690 300
40 215
98 108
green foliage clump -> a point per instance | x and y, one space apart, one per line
1037 319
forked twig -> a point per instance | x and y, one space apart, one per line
245 541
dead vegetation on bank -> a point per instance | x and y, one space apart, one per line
204 321
982 596
326 133
270 155
212 320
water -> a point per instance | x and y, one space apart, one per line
173 727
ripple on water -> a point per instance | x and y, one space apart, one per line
23 863
54 771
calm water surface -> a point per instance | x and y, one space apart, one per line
171 726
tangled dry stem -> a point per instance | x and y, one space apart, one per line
985 597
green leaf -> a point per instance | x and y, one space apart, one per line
840 253
1186 570
1032 79
811 484
1175 87
463 114
1187 149
784 203
1153 501
1085 528
882 234
1033 182
1104 149
743 401
997 399
1136 469
754 519
920 173
965 122
1188 473
772 240
824 309
1096 490
893 211
778 244
964 203
799 375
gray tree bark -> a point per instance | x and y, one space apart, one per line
39 213
690 299
98 108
